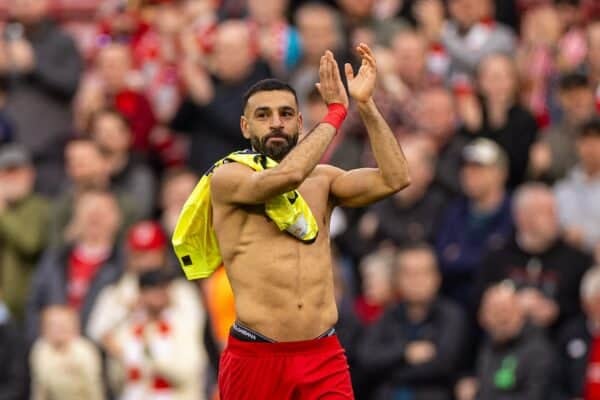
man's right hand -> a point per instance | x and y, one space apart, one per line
330 83
419 352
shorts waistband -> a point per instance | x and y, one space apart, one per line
245 334
326 342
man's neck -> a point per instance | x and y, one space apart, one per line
533 246
490 202
417 312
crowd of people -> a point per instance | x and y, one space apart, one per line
481 280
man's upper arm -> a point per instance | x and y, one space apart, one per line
357 187
237 183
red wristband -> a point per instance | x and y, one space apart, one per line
336 115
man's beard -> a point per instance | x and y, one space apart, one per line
278 151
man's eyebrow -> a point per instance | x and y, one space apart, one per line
264 108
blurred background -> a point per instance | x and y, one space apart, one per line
479 281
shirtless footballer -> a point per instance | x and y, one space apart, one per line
283 345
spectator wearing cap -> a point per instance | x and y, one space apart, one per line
516 361
579 343
478 222
555 152
23 222
544 269
43 67
146 250
158 349
414 349
578 195
75 273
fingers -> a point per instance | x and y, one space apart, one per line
349 72
367 55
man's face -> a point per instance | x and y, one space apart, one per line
232 57
155 299
417 279
85 164
537 218
17 182
272 123
477 180
501 315
318 32
98 215
436 115
578 104
588 148
468 12
114 65
111 133
410 48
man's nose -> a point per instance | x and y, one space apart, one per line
276 121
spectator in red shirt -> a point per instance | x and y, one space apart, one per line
114 87
75 273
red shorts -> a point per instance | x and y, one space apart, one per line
306 370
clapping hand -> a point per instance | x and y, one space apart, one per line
362 85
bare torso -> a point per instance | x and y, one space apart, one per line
283 288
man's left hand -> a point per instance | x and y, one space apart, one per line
362 86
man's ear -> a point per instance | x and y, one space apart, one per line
244 127
300 122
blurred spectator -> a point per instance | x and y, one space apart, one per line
129 175
146 249
415 209
579 343
320 29
470 35
377 291
544 269
6 127
555 152
578 195
176 186
12 357
498 115
593 58
64 365
211 112
113 88
23 226
517 362
155 54
278 41
436 119
43 67
75 273
477 223
414 349
87 169
159 347
356 13
552 43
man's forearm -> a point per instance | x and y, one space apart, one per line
388 154
307 154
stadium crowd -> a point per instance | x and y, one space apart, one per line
481 280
